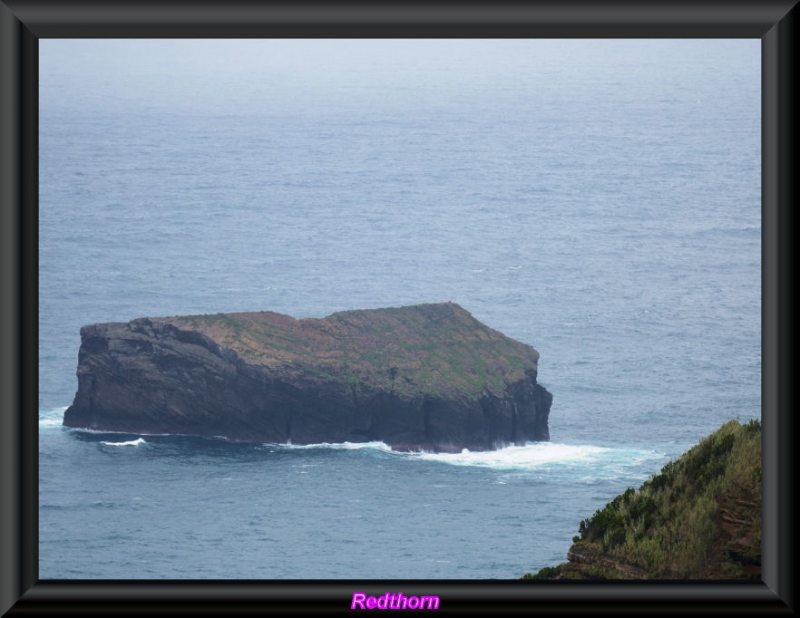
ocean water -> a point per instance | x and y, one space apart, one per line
599 200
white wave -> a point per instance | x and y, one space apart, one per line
136 442
348 446
52 417
97 431
531 457
516 457
544 454
50 422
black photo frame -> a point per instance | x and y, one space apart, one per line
24 22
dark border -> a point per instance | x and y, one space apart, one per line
23 22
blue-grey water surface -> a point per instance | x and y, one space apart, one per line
599 200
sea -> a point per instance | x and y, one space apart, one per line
596 199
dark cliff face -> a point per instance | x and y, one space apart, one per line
426 376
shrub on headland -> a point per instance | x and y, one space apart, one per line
700 518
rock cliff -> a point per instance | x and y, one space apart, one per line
420 377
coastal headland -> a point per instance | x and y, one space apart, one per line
700 518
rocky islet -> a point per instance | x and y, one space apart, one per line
421 377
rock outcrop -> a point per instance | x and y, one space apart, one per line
426 377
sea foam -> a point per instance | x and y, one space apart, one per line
544 455
52 417
136 442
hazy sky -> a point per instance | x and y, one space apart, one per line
232 75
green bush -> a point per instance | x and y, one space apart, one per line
670 525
